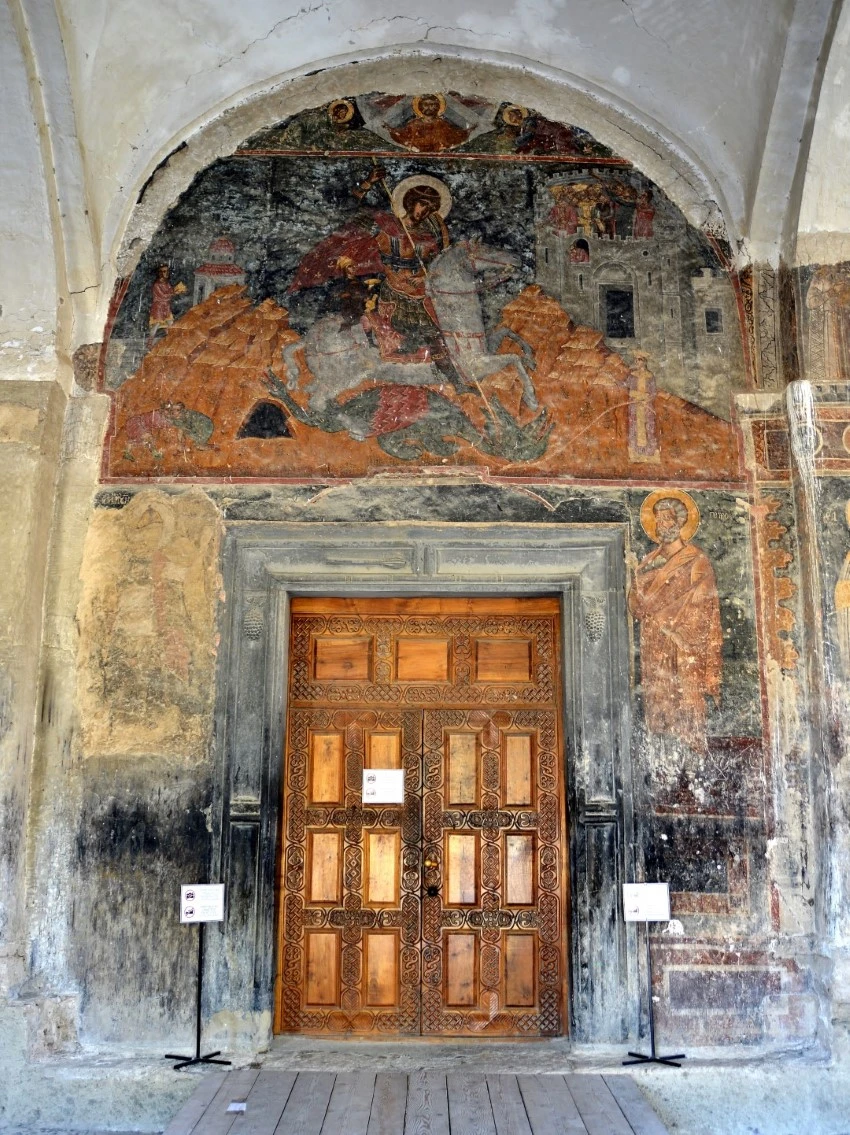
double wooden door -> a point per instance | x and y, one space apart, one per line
444 915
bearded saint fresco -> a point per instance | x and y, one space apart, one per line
673 595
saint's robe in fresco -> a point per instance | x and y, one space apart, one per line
677 605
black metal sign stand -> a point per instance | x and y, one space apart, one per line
653 1057
187 1061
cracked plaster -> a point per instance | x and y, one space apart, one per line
186 67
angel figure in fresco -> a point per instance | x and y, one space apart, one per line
162 293
504 135
673 594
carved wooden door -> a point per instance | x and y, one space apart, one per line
447 914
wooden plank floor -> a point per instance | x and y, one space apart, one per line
421 1103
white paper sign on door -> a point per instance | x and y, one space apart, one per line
202 902
646 902
383 786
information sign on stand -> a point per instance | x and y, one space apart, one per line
199 903
649 902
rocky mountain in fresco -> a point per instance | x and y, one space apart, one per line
215 396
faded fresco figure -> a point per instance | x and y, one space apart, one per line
828 307
146 618
842 607
673 594
642 223
162 293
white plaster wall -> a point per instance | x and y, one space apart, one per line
824 227
702 73
28 297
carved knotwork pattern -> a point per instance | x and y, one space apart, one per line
490 709
460 687
491 919
350 919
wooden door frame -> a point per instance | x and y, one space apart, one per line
267 564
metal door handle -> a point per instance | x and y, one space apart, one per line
431 863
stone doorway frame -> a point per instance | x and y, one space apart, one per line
265 564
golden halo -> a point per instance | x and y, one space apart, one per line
515 112
647 514
349 110
422 179
417 104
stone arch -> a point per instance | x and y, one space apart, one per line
666 159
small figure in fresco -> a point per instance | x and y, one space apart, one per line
580 252
644 216
643 436
605 217
162 293
154 429
429 131
347 130
541 136
145 430
673 594
563 216
338 125
195 425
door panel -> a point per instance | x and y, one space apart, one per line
445 915
493 912
348 956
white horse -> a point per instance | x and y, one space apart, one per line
340 356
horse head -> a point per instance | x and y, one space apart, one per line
484 259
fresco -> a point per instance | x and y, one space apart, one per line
673 594
437 280
691 597
826 318
146 619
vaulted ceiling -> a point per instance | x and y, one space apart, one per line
727 89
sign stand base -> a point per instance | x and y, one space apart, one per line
188 1061
653 1058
